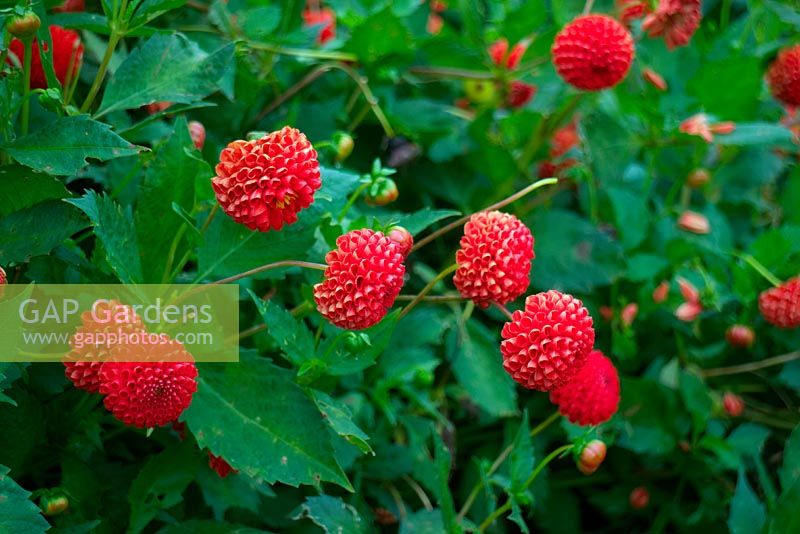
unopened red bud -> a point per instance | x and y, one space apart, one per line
591 457
629 313
740 336
654 79
723 128
661 292
198 133
639 498
691 221
23 27
402 237
733 404
607 313
688 290
688 311
384 192
698 178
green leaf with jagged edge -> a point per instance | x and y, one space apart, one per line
114 227
165 68
789 472
231 248
332 514
476 363
443 464
17 512
63 146
169 179
420 220
21 187
338 416
295 339
522 458
263 424
747 515
37 230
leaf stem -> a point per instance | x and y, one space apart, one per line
504 310
352 200
270 266
507 506
760 269
427 289
476 490
113 40
304 52
753 366
431 298
26 88
455 224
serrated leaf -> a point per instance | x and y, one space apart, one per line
631 215
476 363
209 526
115 229
784 515
790 469
420 220
295 339
379 35
522 458
747 514
21 188
17 512
63 146
423 522
262 423
696 398
165 68
169 179
338 416
37 230
332 514
443 463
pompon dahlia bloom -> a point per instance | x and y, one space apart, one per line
494 260
519 93
151 393
82 364
67 52
3 277
547 343
593 52
218 464
592 396
783 76
675 21
364 276
263 184
780 305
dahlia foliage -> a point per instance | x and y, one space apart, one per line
476 253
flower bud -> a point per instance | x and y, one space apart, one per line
53 503
639 498
688 290
629 313
688 311
402 237
733 404
3 277
343 142
661 292
654 79
23 27
198 133
740 336
698 178
696 223
591 457
383 192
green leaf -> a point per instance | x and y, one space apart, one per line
294 338
114 227
757 133
165 68
784 515
696 398
423 522
21 188
790 470
610 146
209 526
522 458
169 180
63 146
17 512
420 220
150 9
741 77
332 514
631 214
37 230
338 416
378 36
572 254
477 364
161 482
443 463
254 415
747 514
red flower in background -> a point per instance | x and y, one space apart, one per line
654 79
501 56
323 17
630 10
592 396
70 6
675 21
67 52
783 76
519 94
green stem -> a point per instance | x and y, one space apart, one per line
269 266
352 200
113 40
499 461
455 224
507 506
725 14
760 269
304 52
752 366
427 289
26 88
